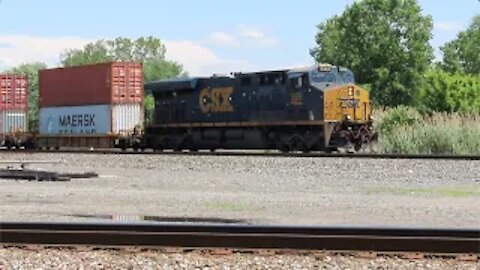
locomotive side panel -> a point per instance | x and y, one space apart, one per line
227 100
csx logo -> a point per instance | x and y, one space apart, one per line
216 100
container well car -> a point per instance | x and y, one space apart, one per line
14 111
89 106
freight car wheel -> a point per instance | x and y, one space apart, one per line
8 144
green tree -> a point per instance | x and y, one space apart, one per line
150 51
463 53
386 44
31 70
457 92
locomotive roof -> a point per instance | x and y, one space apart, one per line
191 83
172 84
178 84
293 69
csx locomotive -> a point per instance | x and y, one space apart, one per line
316 108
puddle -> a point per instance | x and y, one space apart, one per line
107 176
12 200
135 218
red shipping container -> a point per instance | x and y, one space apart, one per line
13 92
107 83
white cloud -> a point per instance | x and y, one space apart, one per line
2 65
447 26
196 59
16 50
223 38
199 60
255 36
242 36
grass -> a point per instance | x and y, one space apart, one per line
456 192
404 130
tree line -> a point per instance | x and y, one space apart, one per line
148 50
386 44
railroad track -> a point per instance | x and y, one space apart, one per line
243 237
255 153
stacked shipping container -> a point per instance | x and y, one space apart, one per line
13 103
90 105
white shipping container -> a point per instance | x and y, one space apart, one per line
90 119
13 121
126 117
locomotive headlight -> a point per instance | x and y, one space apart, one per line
348 117
350 90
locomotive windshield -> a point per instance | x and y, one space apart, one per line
325 77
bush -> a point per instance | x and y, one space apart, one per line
439 133
400 116
450 92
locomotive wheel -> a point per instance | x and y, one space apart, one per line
167 143
284 148
297 143
184 144
367 143
331 149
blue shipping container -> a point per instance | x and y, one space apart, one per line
92 119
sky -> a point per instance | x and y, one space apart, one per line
209 36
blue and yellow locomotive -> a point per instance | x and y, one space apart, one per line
316 108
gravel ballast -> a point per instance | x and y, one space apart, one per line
14 258
279 190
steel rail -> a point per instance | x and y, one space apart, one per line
257 153
157 235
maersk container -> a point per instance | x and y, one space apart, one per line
13 121
105 119
13 92
108 83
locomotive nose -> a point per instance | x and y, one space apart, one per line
347 103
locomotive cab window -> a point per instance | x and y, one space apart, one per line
271 79
298 80
265 79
